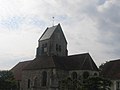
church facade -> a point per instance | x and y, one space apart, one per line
53 64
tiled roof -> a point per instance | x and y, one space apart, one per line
111 69
17 69
48 33
74 62
41 62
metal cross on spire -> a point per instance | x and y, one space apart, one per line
53 20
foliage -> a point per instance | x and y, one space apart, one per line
69 84
92 83
102 65
7 80
97 83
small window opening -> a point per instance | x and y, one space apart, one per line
28 83
74 75
85 75
59 48
56 47
44 78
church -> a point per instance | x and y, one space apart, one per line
52 63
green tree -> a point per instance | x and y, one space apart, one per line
70 84
7 81
91 83
97 83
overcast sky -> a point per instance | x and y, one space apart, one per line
91 26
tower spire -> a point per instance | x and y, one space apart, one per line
53 20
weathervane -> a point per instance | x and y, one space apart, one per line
53 20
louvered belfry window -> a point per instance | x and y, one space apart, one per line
44 78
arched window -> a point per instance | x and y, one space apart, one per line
45 44
42 48
28 83
44 78
95 74
59 48
85 75
74 75
35 82
56 47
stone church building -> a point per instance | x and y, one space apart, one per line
52 63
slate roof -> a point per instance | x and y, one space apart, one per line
73 62
111 69
48 33
17 69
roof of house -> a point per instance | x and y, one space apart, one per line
48 33
73 62
111 69
17 69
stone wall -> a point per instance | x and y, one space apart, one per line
53 78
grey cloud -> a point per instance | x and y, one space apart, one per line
108 24
89 25
101 1
11 22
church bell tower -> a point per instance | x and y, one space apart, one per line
52 42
